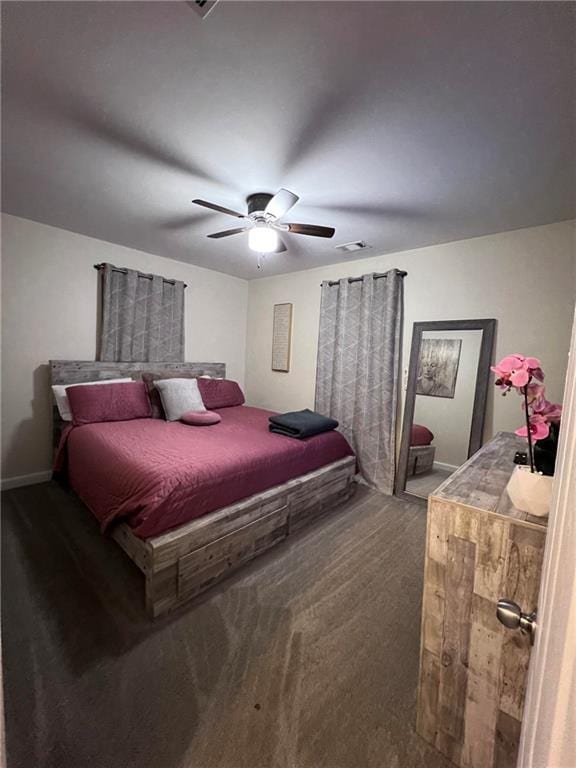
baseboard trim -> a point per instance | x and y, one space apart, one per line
442 465
7 483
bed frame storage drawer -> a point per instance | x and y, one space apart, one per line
309 503
420 459
208 564
183 562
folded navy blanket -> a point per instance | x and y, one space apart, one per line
301 424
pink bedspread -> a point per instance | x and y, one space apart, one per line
156 475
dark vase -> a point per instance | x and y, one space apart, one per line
545 452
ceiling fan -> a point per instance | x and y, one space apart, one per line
262 221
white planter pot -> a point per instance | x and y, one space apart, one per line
530 492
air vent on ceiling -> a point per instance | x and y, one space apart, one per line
203 7
357 245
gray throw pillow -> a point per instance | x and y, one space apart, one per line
151 377
179 396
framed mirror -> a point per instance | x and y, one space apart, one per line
445 405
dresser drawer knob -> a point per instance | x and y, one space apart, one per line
511 615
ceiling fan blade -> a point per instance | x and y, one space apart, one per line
281 246
228 232
219 208
281 203
310 229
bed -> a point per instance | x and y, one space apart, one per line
421 452
190 505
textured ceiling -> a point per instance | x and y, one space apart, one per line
402 124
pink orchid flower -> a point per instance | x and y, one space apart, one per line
525 374
535 367
517 371
539 428
535 392
551 412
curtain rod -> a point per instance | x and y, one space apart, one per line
142 274
399 272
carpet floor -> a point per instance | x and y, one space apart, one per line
307 658
425 484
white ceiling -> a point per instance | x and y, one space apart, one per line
402 124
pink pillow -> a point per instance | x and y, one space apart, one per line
109 402
220 393
200 418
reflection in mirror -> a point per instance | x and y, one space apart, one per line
445 402
445 387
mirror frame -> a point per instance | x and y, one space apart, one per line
488 328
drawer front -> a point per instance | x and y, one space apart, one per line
308 504
203 566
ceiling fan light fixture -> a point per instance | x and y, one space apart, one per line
262 239
262 221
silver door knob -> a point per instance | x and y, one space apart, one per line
511 615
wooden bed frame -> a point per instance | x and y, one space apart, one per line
182 563
420 459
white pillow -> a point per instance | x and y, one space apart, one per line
61 397
179 396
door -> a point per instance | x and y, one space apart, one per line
548 737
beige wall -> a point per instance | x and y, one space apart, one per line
524 279
49 292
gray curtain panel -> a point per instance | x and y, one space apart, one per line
357 374
142 317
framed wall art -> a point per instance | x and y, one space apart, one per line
438 367
281 337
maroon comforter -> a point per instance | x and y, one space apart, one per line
156 475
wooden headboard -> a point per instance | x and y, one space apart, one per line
77 371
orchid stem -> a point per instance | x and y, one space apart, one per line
529 434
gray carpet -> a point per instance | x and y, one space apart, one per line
305 659
425 484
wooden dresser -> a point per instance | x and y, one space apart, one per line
472 670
